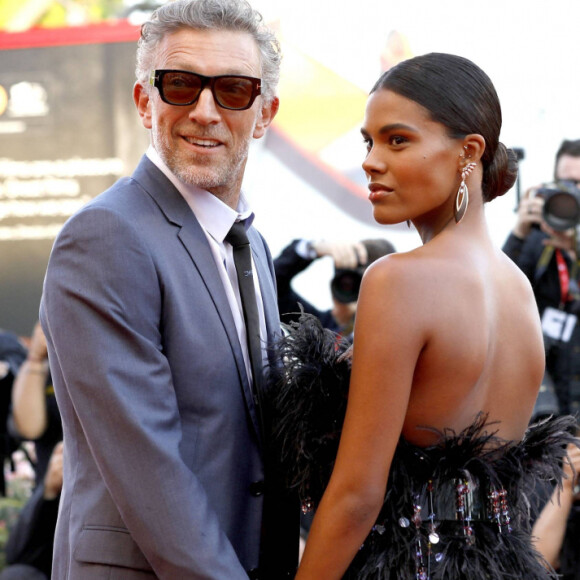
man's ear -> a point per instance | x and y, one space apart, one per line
267 115
473 147
143 104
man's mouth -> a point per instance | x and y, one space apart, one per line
210 143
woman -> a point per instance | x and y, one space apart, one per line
448 354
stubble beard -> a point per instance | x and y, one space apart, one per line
217 178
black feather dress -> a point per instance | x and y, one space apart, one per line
452 511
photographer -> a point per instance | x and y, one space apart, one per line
543 243
350 261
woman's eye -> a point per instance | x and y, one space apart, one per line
368 144
397 140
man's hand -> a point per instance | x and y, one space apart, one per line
38 350
529 213
344 254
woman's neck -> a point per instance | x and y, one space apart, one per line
432 225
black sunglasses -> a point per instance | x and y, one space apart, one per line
182 88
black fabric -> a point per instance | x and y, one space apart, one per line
287 266
312 387
45 444
13 353
32 539
238 238
279 504
22 572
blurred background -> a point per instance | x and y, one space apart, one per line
69 129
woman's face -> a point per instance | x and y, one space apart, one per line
412 165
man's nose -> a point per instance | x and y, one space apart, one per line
205 110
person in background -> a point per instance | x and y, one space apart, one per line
166 462
31 541
34 417
34 413
350 262
12 355
549 259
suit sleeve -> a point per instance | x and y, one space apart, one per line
102 313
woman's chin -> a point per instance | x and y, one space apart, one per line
386 220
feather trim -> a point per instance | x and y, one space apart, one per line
310 381
309 388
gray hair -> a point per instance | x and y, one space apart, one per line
236 15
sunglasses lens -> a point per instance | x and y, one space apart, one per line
181 88
230 92
233 92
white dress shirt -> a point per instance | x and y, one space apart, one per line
216 219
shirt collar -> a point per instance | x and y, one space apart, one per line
214 215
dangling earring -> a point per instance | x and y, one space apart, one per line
462 198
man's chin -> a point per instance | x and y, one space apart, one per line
198 178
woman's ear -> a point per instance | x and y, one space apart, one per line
473 148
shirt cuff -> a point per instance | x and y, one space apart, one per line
305 250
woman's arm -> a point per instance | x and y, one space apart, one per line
388 340
550 528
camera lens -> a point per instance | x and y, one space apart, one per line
561 208
345 285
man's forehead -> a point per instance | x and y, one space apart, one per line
220 51
568 167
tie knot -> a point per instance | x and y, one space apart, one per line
237 235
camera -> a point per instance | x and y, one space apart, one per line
562 204
345 285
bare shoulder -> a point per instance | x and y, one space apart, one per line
397 271
399 288
516 281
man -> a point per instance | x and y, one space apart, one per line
549 259
164 466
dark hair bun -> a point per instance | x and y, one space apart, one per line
500 175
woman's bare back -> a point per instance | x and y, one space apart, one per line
485 350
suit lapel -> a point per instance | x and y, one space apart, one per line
193 238
267 288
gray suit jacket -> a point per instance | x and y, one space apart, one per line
163 452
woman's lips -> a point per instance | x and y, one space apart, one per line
378 191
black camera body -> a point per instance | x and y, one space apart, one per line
562 204
345 285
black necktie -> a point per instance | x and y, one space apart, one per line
238 238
